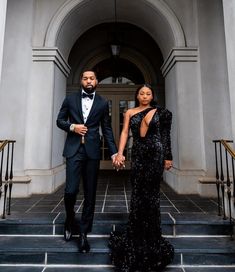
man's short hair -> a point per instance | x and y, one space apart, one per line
88 71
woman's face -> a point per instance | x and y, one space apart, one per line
145 96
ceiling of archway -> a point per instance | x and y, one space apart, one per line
118 67
75 17
140 58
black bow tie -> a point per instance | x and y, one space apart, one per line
84 95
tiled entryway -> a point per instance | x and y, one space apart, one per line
113 196
31 238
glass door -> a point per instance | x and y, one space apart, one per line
119 103
125 103
105 162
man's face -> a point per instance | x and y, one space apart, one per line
89 81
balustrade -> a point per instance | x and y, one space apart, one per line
6 170
225 178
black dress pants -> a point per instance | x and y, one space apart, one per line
76 167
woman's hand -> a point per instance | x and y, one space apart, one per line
168 164
119 162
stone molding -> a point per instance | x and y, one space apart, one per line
45 172
181 54
67 8
58 19
189 172
51 54
171 18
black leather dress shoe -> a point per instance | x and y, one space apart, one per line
67 232
84 246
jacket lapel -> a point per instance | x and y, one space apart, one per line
94 106
79 104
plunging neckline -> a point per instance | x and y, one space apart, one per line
141 111
142 137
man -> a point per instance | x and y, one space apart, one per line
81 115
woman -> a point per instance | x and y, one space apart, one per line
141 246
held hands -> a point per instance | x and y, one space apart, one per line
118 161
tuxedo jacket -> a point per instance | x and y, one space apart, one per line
71 113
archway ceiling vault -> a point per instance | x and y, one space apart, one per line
77 16
136 47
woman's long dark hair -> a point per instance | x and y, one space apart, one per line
153 103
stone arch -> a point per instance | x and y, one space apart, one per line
168 37
127 53
182 89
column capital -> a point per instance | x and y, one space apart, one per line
179 54
48 54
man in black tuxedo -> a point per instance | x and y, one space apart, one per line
81 115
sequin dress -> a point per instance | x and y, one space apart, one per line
141 247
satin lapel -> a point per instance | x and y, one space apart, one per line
79 104
94 106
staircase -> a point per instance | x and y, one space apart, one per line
31 238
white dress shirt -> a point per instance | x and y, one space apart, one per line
86 105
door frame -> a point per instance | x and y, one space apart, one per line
116 92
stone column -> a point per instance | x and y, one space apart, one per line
44 141
229 30
183 98
3 8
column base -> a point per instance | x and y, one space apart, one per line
38 182
191 182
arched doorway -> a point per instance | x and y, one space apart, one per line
137 61
179 66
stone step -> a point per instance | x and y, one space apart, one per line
41 250
172 224
170 268
43 268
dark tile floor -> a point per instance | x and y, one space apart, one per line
113 195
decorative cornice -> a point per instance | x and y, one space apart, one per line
48 54
181 54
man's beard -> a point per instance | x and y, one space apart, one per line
89 89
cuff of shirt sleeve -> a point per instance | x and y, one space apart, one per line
72 127
113 155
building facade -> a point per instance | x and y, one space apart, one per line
184 48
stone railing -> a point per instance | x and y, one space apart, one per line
6 175
225 178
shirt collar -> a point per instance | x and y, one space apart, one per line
88 93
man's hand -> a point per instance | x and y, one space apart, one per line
118 161
80 129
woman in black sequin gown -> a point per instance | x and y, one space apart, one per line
141 246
